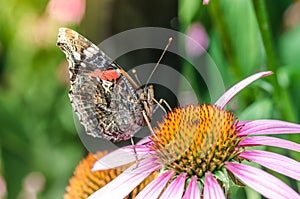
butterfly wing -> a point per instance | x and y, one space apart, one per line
104 100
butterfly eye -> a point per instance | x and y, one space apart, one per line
143 96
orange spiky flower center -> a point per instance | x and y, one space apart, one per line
85 182
196 139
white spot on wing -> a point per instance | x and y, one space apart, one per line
70 74
87 53
92 50
95 47
106 85
77 56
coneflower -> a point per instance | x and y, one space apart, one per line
198 150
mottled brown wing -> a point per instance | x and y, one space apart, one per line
104 100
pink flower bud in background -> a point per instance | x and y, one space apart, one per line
292 16
205 2
198 42
2 187
71 11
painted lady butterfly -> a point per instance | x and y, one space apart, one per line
108 102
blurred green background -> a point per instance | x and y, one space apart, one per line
39 145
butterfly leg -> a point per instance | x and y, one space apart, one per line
166 103
149 125
135 153
159 104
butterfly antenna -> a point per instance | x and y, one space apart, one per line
162 55
136 76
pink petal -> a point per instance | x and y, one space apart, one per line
154 189
229 94
144 141
120 157
261 181
256 127
269 141
122 185
192 191
212 188
175 189
276 162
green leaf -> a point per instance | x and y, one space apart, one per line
261 109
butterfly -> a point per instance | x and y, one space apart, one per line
107 101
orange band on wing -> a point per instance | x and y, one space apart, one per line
110 75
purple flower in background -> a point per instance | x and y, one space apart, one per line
199 150
197 41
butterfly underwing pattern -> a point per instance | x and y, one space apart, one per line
107 101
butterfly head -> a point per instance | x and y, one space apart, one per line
147 97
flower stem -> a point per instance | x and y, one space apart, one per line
282 97
263 22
